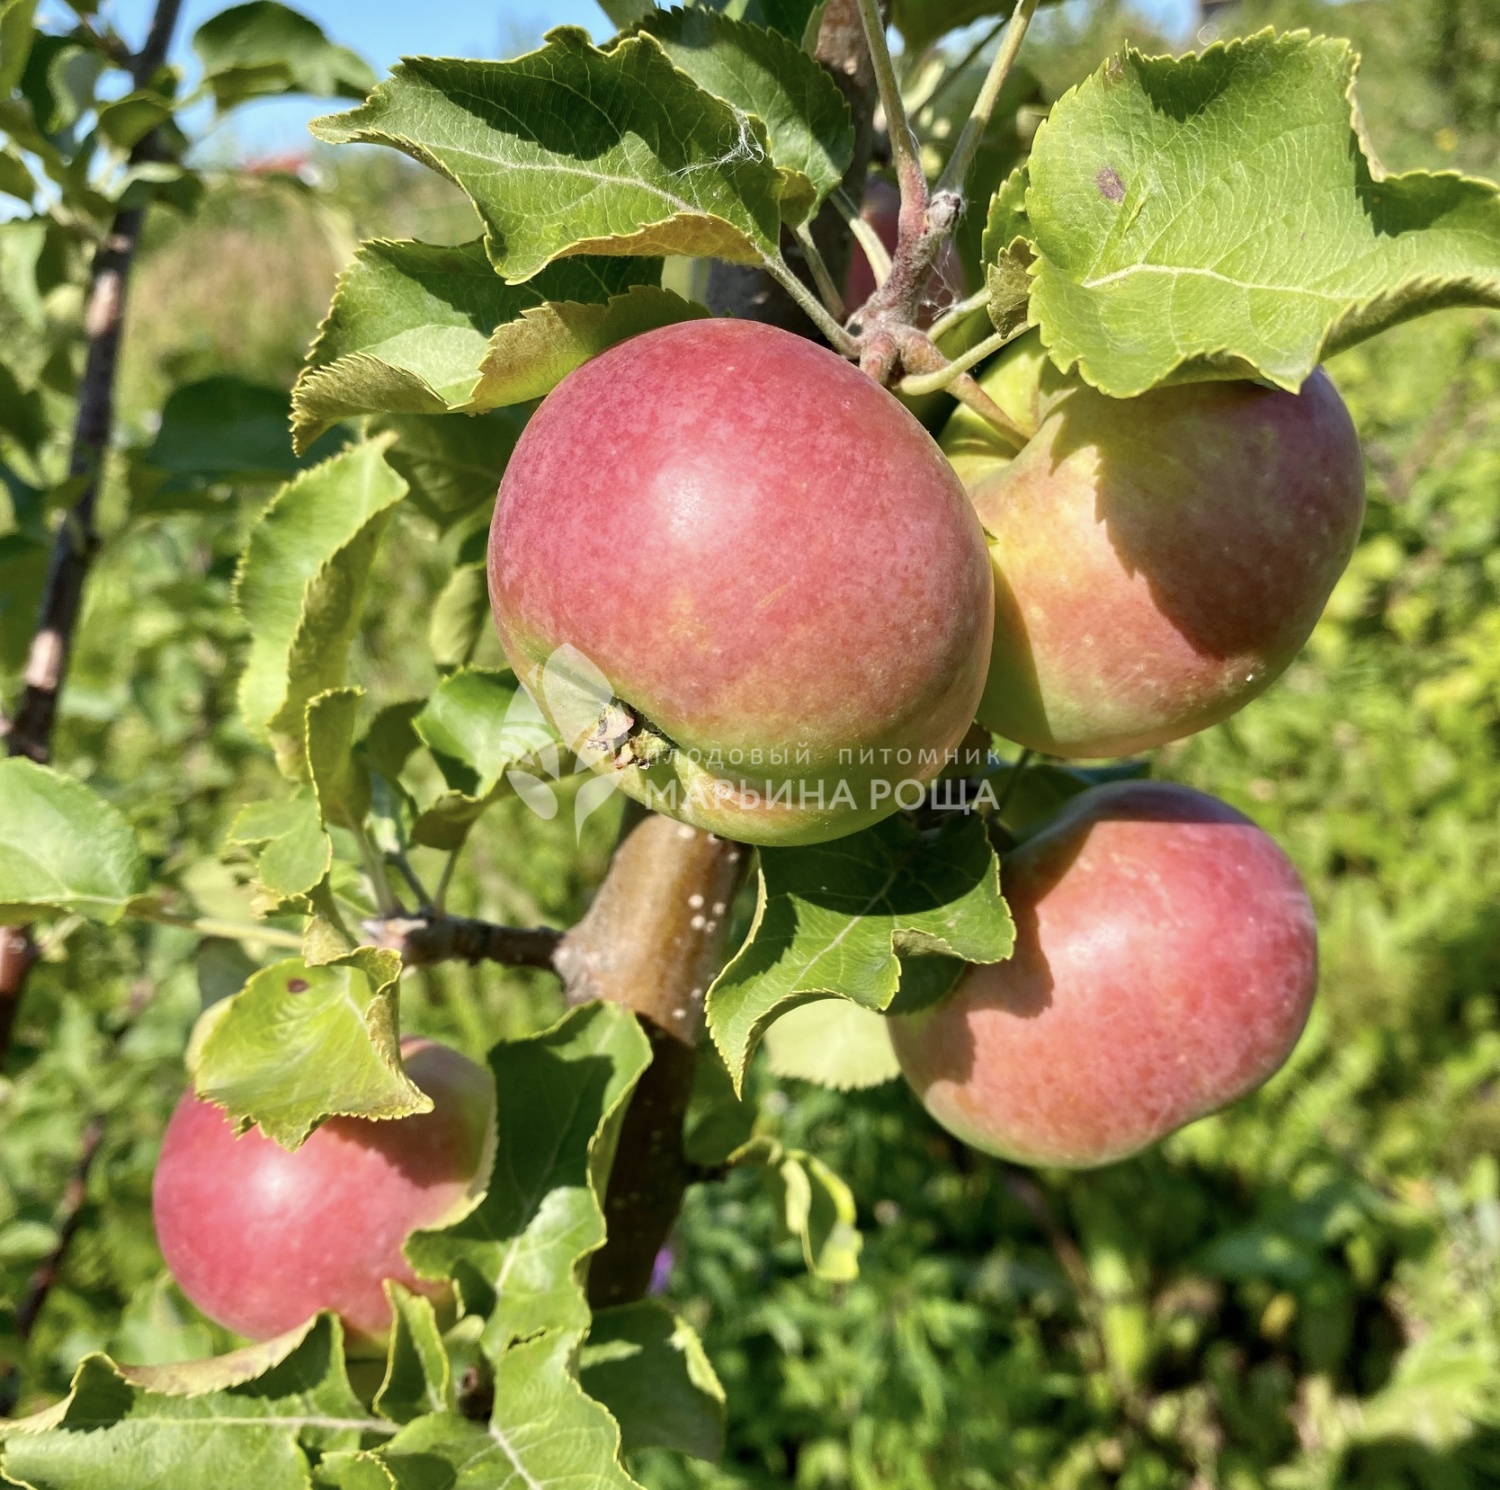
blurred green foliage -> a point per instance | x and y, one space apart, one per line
1302 1293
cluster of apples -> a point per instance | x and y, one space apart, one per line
795 593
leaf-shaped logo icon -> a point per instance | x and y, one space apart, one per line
591 721
581 702
534 792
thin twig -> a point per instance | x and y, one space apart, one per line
409 874
445 879
380 881
952 74
832 300
905 153
69 1215
425 940
956 172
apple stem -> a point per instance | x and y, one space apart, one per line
958 313
956 172
916 383
841 341
832 300
968 392
865 234
380 881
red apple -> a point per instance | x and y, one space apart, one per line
261 1239
1165 962
1160 560
881 208
739 576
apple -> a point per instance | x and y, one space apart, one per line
881 208
1165 962
742 580
261 1239
1160 560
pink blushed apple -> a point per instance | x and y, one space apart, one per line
261 1239
1159 561
764 564
1165 963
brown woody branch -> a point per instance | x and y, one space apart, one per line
29 731
653 940
424 940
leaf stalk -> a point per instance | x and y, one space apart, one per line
956 172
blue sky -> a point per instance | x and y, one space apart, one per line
383 30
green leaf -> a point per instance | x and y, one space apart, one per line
390 740
544 1432
478 724
1006 253
15 177
831 919
296 859
469 722
125 121
340 781
813 1206
561 1096
1219 216
529 357
653 166
453 464
240 1419
16 33
763 73
418 1376
63 847
410 325
459 615
59 81
648 1367
249 51
301 587
298 1044
834 1043
223 429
